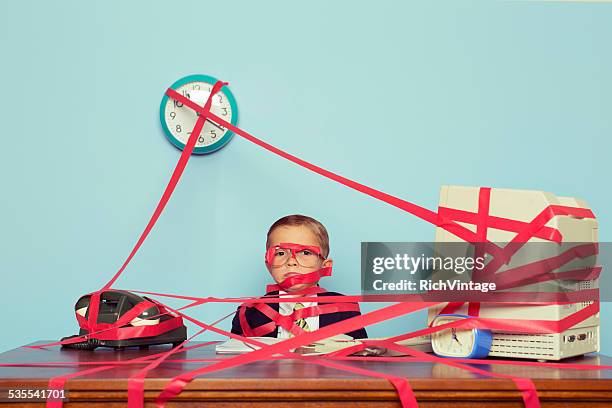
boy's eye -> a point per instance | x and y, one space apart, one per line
279 253
307 252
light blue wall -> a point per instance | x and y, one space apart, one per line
402 96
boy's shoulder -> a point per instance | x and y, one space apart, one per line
335 294
330 294
275 292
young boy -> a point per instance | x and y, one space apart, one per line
296 245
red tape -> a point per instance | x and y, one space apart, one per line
446 218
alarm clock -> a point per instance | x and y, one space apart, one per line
178 120
459 342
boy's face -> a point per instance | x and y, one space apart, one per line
296 235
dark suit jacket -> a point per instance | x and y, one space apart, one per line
255 318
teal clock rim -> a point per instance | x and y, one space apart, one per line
203 149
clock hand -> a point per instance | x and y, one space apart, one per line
454 335
215 125
212 123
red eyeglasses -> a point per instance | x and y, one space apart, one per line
305 255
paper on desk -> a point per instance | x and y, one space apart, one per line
233 346
329 345
422 343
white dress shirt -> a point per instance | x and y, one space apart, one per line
286 309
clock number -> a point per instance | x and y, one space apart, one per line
173 115
213 134
177 104
178 129
224 111
220 98
196 86
201 139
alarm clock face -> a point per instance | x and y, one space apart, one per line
178 120
453 342
458 342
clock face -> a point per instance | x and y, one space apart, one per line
178 120
453 342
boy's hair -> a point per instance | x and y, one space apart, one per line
297 220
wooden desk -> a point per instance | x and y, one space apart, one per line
302 384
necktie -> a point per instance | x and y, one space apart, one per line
301 322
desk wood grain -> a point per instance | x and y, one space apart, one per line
282 382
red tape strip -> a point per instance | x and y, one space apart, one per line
446 218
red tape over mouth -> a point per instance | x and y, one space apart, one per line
446 218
